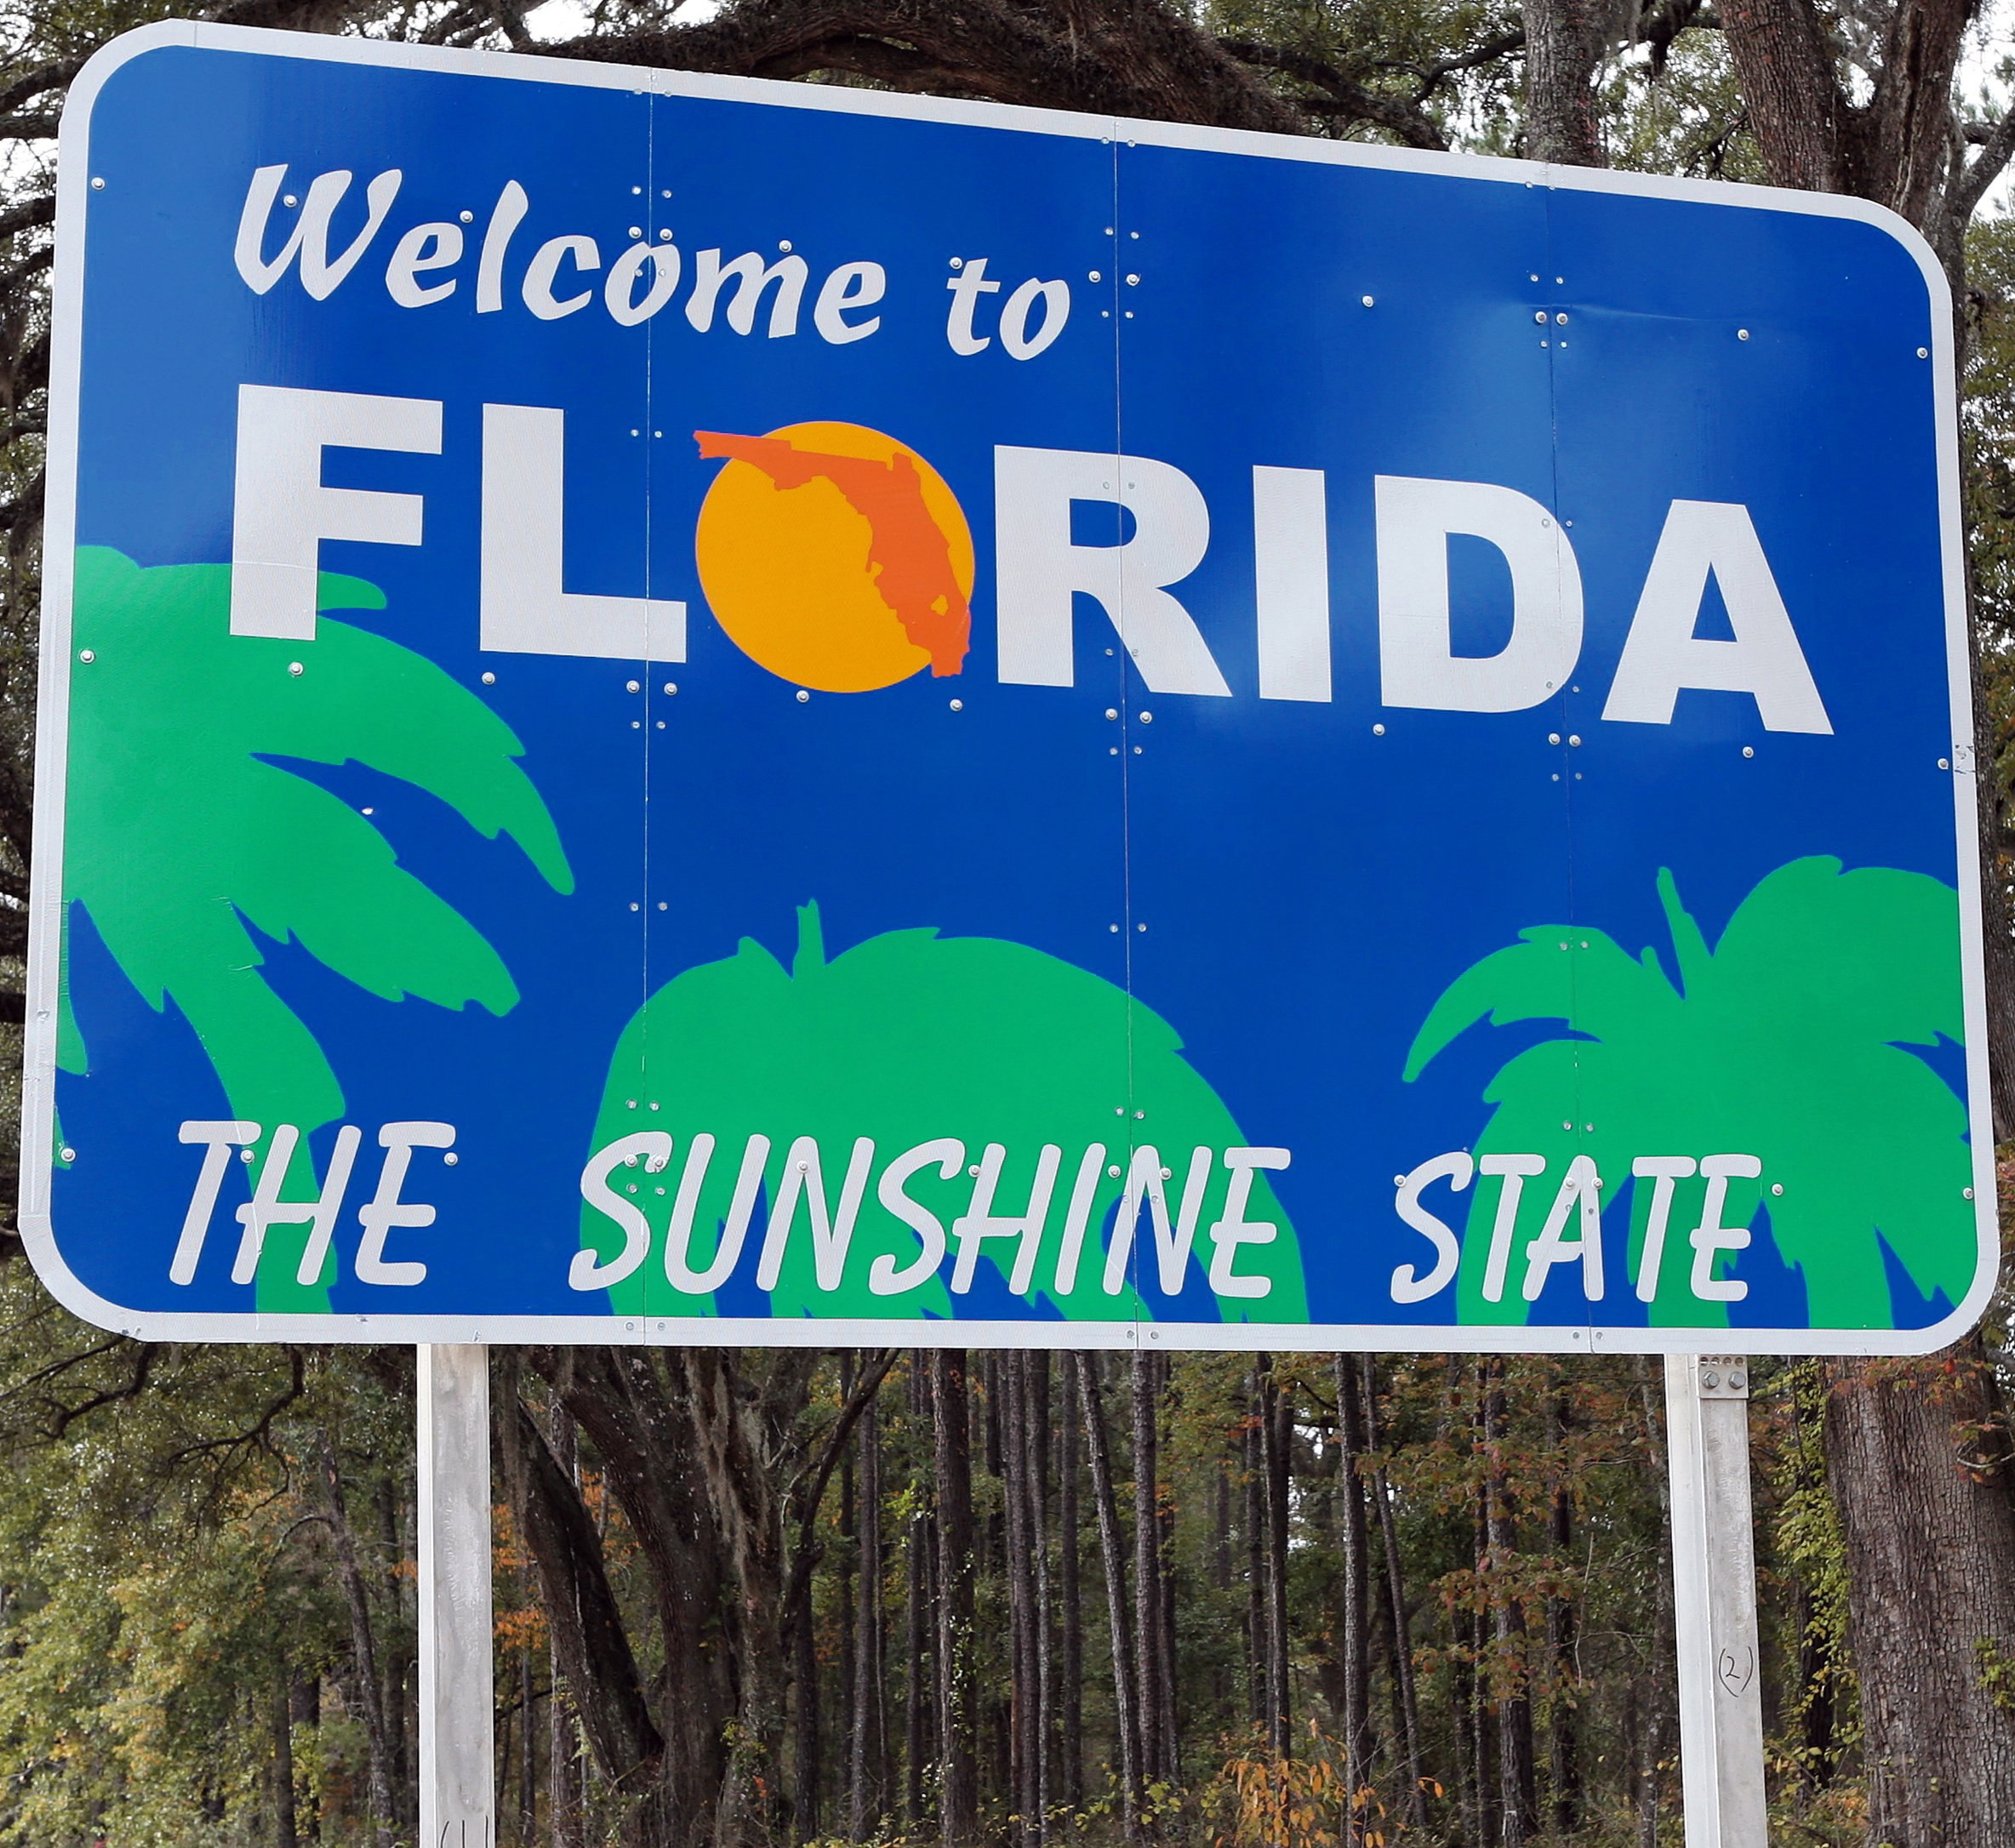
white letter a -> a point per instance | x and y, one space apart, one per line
1663 654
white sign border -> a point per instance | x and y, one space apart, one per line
38 1114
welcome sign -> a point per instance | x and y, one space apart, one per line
678 710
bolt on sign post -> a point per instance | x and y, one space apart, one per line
677 709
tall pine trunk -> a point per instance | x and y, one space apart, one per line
1112 1554
1147 1570
1070 1596
1516 1772
1024 1735
1254 1460
868 1744
1277 1438
1395 1594
918 1543
1355 1545
282 1712
1564 1743
958 1815
1663 1641
1036 1409
804 1670
527 1762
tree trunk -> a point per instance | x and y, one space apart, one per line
1256 1657
1565 40
401 1667
1277 1440
1024 1749
1664 1639
565 1814
805 1744
1147 1570
958 1818
868 1747
1111 1550
1516 1773
1395 1593
1928 1619
917 1545
1354 1544
1070 1744
283 1722
1564 1745
1035 1410
527 1762
364 1658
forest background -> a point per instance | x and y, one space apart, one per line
755 1598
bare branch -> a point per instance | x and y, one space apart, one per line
1345 95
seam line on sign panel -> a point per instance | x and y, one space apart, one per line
1125 658
650 467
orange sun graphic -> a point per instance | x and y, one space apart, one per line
834 557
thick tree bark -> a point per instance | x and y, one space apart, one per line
1795 107
591 1647
1112 1554
958 1816
1565 40
1895 149
1929 1543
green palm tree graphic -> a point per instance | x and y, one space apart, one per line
969 1056
178 835
1783 1043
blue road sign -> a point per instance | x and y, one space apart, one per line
682 710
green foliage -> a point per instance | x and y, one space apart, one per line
164 1577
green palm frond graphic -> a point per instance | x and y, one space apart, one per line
1785 1041
181 837
906 1039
